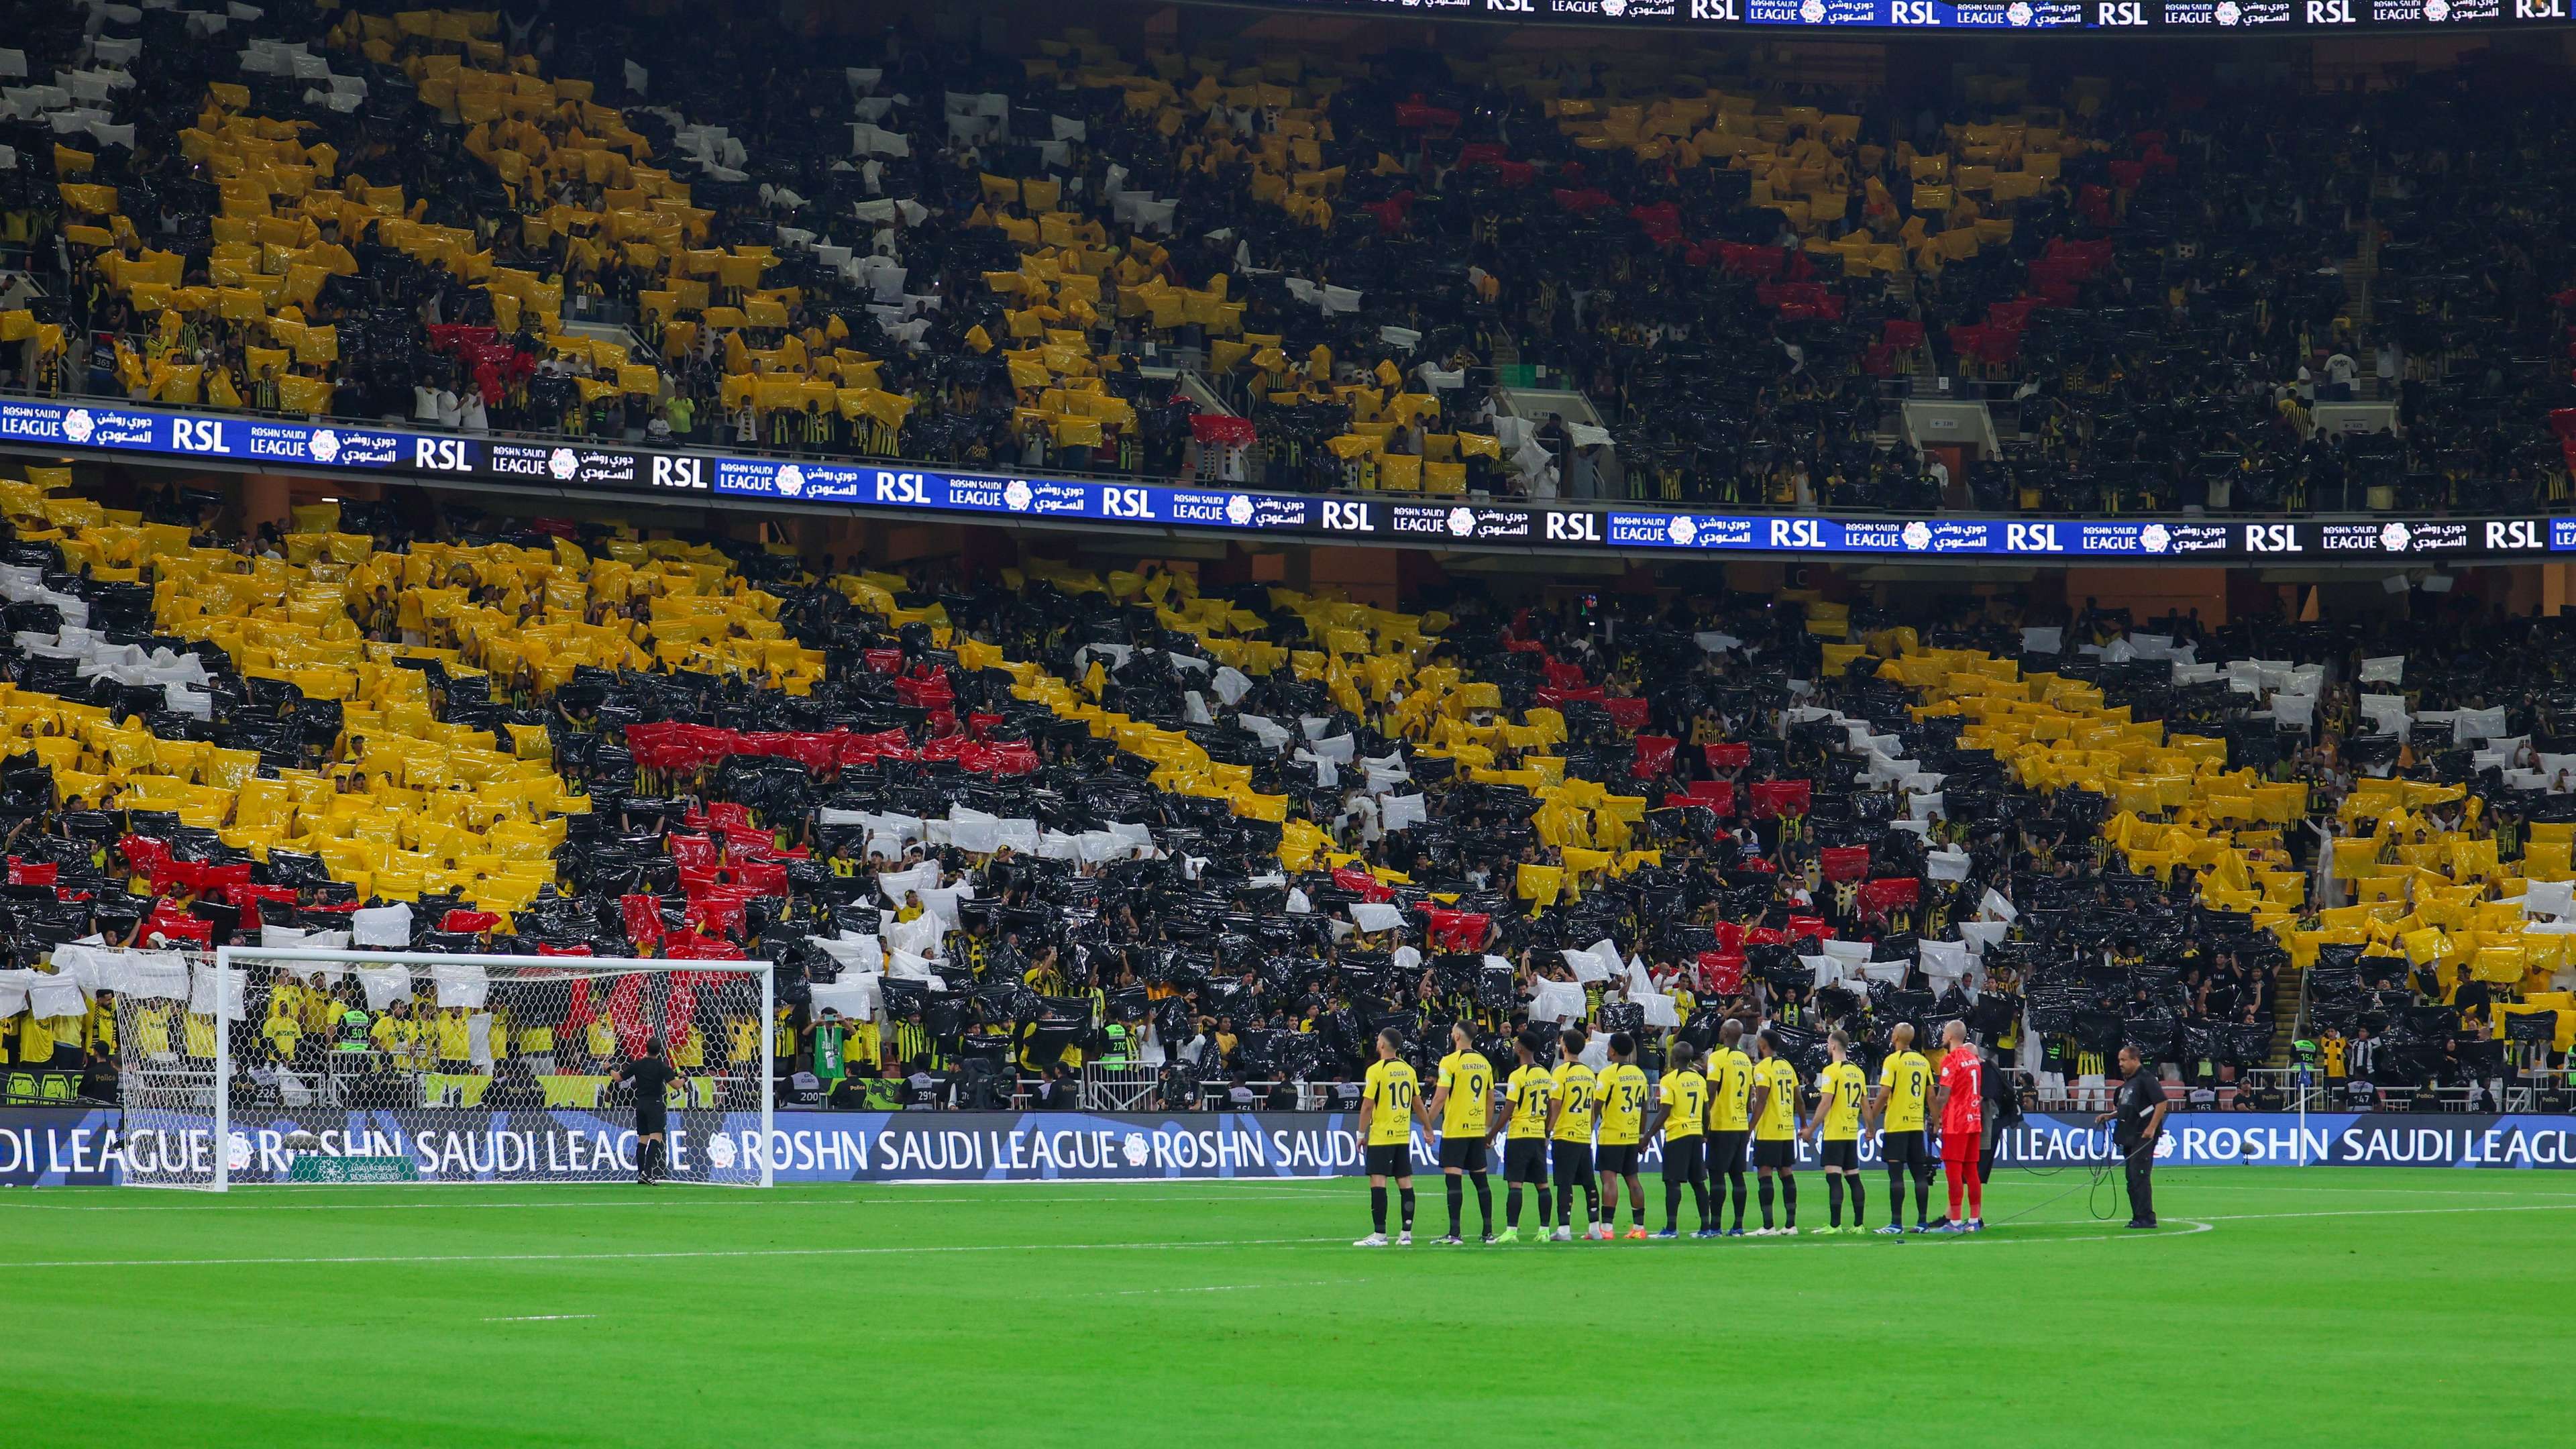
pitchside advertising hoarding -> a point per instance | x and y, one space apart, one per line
2215 18
55 428
50 1147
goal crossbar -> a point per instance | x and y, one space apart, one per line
227 996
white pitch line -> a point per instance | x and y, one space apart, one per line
542 1318
2534 1207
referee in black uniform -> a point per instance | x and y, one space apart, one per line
2140 1114
652 1075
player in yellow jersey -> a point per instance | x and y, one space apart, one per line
1841 1091
1775 1133
1730 1121
1896 1109
1464 1103
1388 1104
1623 1121
1530 1095
1569 1131
1681 1112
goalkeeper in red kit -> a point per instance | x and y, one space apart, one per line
1963 1126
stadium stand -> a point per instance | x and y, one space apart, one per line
1012 262
1043 817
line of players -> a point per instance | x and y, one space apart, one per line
1708 1104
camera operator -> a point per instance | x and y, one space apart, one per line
2140 1110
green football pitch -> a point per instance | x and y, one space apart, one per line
2343 1307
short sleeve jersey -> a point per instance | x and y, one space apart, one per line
1393 1086
1963 1077
1843 1087
1908 1080
1469 1109
1580 1090
1623 1104
1730 1089
1528 1092
1685 1092
1780 1104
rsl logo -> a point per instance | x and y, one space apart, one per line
720 1151
1462 522
563 463
1133 1147
1682 529
324 445
1238 511
79 426
2228 14
2393 537
791 480
1015 495
1917 535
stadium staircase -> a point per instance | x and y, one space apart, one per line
2286 1014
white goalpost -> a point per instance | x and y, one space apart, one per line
276 1064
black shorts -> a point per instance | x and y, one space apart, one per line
1395 1159
1616 1159
1525 1160
1778 1153
1726 1153
1462 1152
1843 1152
1573 1161
655 1124
1905 1149
1685 1158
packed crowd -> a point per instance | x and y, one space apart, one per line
653 226
1022 824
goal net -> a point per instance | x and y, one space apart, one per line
260 1065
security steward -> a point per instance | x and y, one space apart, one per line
2139 1110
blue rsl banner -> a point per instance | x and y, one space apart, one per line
99 1146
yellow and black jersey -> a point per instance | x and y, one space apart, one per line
1393 1086
1623 1104
1527 1093
1730 1091
1908 1080
1469 1108
1840 1090
1685 1096
1579 1090
1779 1081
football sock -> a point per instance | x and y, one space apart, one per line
1377 1207
1406 1202
1788 1201
1485 1201
1456 1188
1766 1203
1512 1207
1834 1199
1858 1204
1896 1198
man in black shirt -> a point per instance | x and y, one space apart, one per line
652 1075
2140 1113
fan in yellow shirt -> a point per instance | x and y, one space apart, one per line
1681 1110
1528 1095
1578 1095
1464 1103
1775 1131
1904 1091
1623 1121
1389 1101
1840 1092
